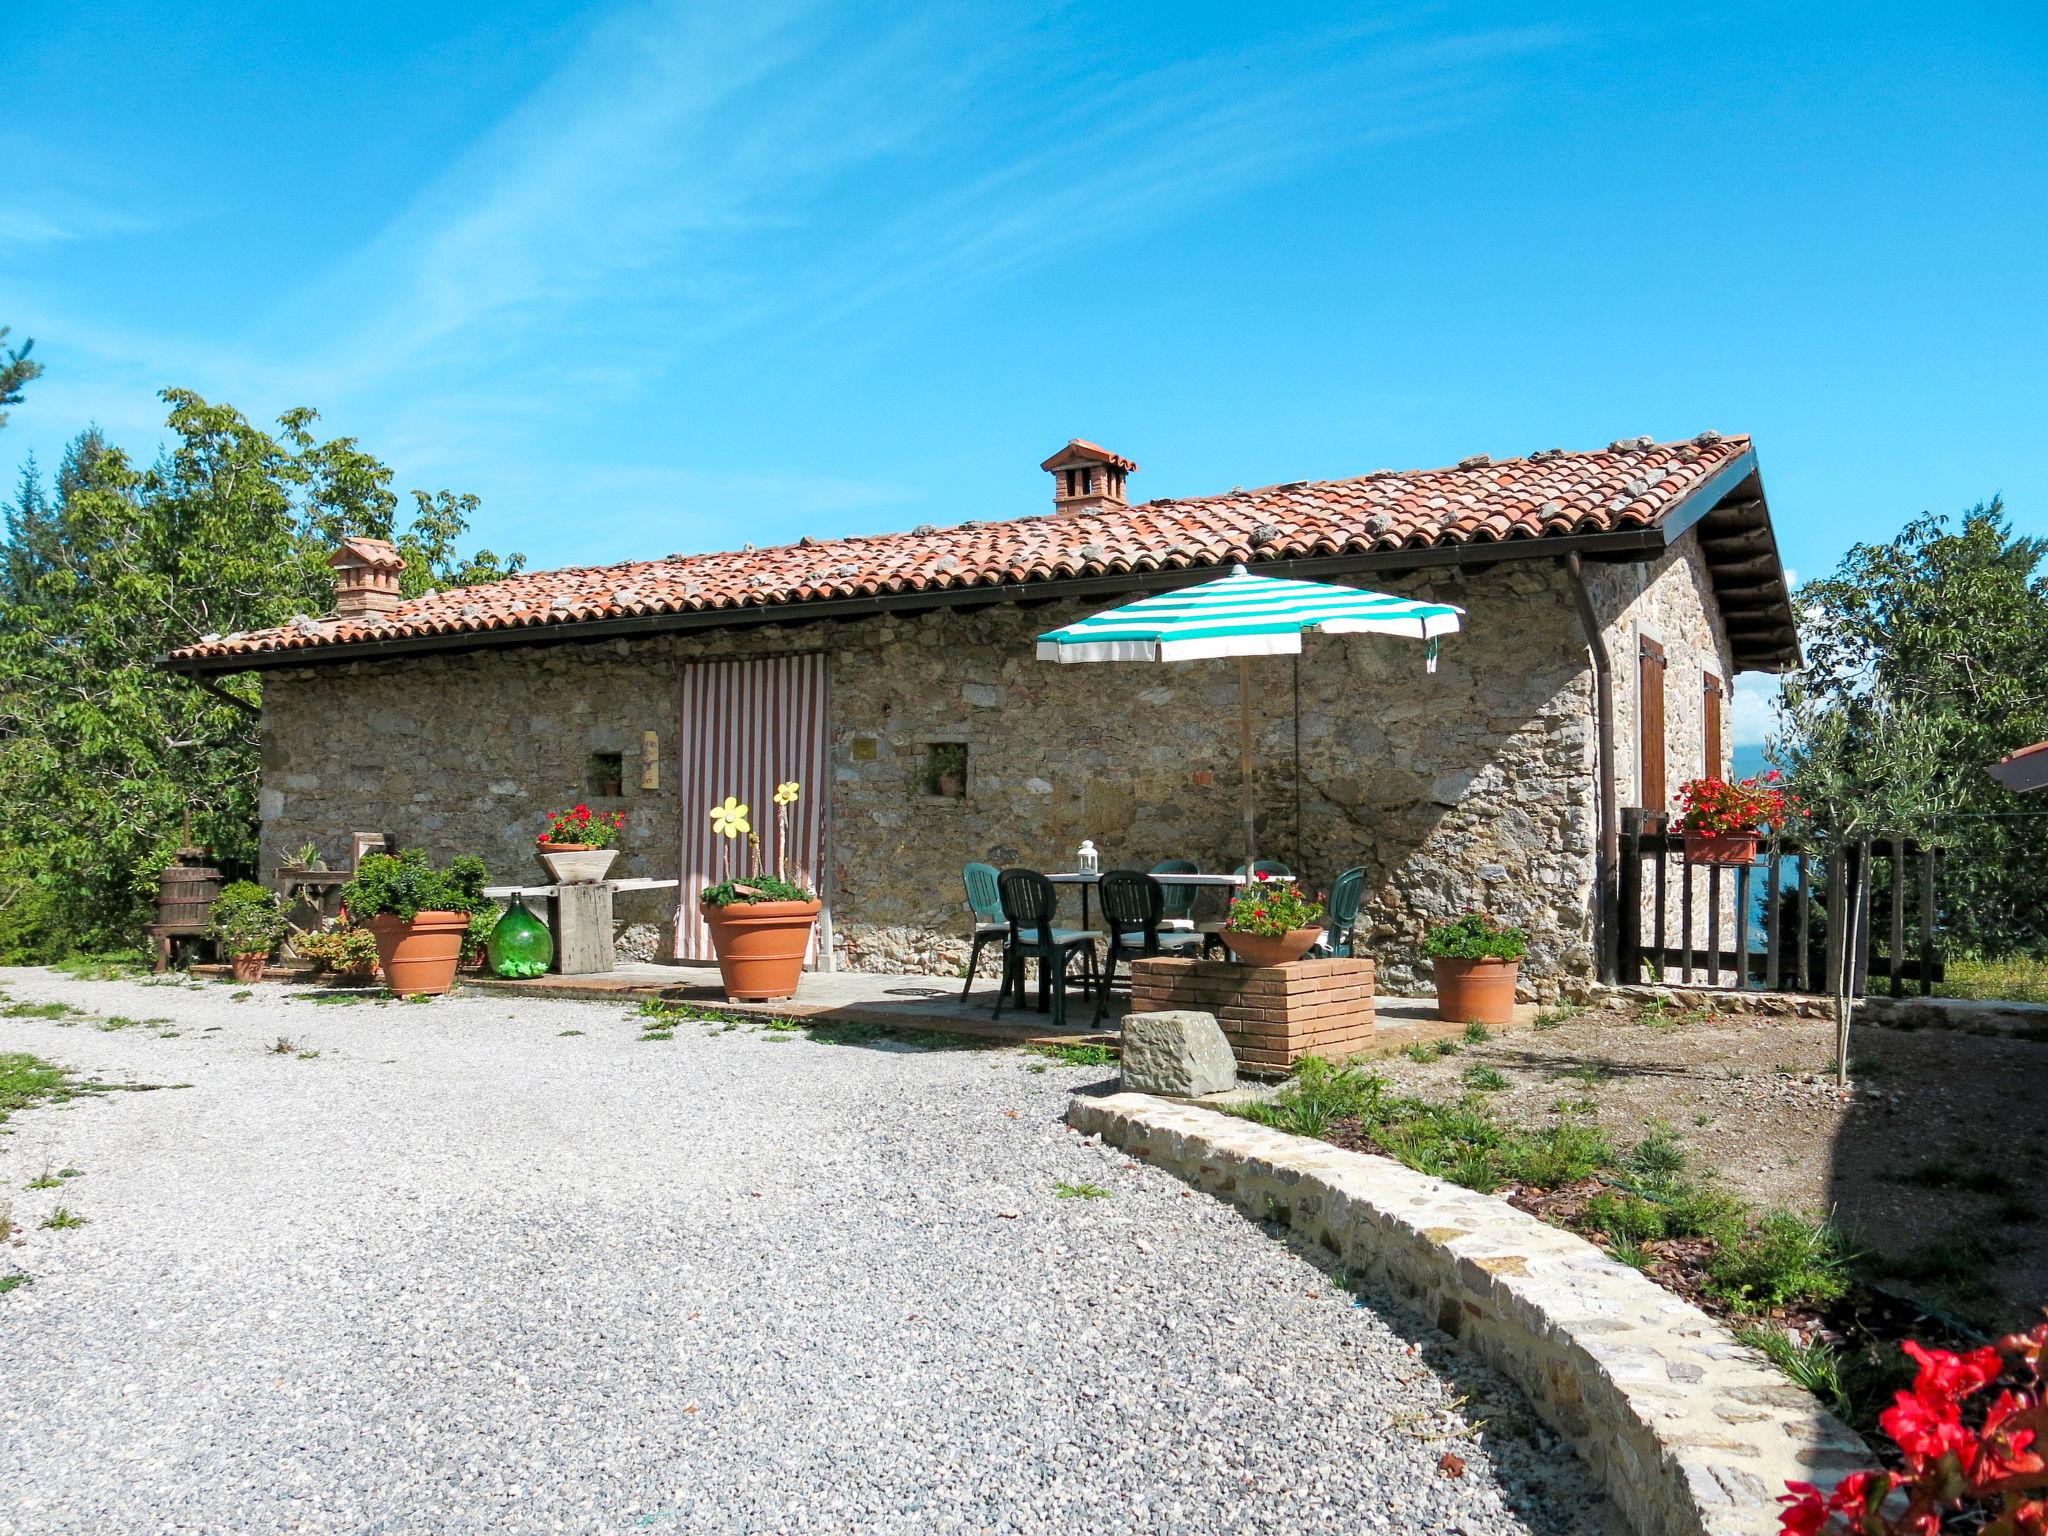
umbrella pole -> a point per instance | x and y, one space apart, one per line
1244 749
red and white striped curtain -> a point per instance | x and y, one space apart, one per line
746 727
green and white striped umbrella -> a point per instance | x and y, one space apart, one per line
1243 615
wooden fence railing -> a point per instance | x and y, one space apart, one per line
1778 923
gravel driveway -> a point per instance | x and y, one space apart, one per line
491 1265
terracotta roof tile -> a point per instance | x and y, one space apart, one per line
1632 484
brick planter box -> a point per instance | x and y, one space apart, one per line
1270 1014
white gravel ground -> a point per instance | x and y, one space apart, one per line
467 1270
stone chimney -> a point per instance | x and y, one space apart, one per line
1087 478
365 578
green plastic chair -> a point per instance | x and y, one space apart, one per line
1180 899
986 902
1340 915
1029 903
1132 902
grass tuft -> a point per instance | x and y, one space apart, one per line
1066 1191
1485 1079
1076 1055
39 1011
1784 1257
1815 1365
114 965
1477 1033
63 1219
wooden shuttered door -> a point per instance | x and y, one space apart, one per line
1650 724
1711 711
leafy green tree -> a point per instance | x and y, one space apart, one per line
1926 661
17 369
104 759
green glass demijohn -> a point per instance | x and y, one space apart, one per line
520 946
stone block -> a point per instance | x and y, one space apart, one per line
1179 1052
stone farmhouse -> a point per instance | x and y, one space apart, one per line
1610 596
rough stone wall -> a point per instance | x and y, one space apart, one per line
1671 601
1469 787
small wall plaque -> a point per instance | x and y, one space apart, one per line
650 760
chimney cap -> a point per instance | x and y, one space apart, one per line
377 554
1080 451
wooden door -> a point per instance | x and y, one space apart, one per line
1650 726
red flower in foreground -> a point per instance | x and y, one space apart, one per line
1944 1374
1959 1476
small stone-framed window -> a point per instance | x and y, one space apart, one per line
945 770
604 775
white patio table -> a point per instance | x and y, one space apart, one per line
1088 882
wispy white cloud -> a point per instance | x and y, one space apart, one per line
696 171
701 175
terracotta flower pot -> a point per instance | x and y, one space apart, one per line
760 946
249 966
1270 949
1476 991
577 863
420 956
1728 848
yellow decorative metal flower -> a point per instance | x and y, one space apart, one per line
785 794
730 819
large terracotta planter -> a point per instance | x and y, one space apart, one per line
1720 850
1476 991
420 956
249 966
573 865
1270 949
760 946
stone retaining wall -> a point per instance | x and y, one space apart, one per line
1271 1015
1689 1433
1782 1005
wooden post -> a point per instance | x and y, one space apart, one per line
1855 918
583 928
1244 749
1927 858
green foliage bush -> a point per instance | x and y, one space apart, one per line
341 950
1475 936
246 918
406 884
1927 659
755 888
102 754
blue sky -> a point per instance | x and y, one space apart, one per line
656 277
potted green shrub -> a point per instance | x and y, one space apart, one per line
247 921
760 923
341 950
1478 961
1272 922
419 915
